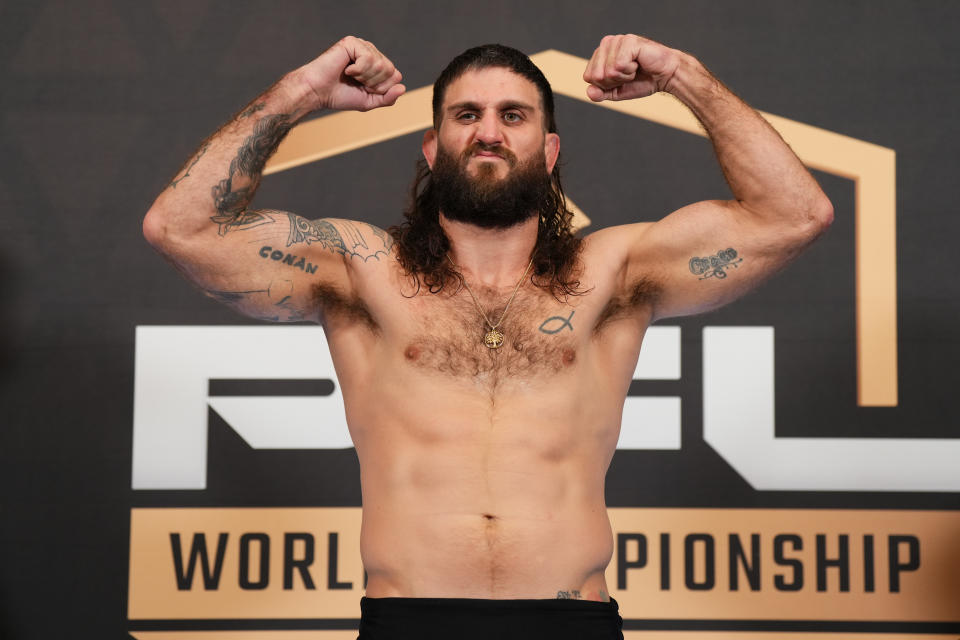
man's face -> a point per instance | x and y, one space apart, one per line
491 158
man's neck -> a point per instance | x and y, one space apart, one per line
491 257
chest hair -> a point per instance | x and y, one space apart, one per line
450 338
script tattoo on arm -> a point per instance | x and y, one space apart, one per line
229 201
715 266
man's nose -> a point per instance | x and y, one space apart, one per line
488 130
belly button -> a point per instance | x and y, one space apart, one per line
489 516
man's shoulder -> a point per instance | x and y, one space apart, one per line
609 246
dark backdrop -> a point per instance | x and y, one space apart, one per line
102 101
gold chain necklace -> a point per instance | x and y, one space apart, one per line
493 338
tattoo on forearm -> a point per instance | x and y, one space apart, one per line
186 174
252 109
556 324
715 265
231 202
347 240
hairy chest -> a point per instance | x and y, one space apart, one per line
540 336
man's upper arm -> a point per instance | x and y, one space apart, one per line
268 264
708 254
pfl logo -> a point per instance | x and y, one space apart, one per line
241 372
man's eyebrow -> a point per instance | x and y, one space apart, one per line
503 106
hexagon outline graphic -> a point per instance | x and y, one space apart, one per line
871 167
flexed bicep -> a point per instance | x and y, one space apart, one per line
708 254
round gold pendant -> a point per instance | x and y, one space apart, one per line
493 339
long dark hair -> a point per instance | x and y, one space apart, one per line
422 245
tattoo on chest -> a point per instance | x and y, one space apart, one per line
452 342
555 324
715 266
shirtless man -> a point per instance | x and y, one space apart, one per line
484 352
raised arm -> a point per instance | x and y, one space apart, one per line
707 254
267 263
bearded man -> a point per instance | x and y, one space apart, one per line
484 351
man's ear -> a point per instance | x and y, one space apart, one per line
551 150
429 146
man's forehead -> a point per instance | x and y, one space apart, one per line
492 84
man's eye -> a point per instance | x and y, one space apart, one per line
467 116
511 116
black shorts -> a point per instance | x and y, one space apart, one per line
469 618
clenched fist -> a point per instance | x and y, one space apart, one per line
627 66
353 75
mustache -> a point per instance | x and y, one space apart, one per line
506 154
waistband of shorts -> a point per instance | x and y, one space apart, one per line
483 604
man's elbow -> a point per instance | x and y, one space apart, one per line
819 216
155 228
158 230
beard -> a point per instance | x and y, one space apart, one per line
486 200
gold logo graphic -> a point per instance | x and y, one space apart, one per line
249 564
871 167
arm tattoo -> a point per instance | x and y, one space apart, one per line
186 174
232 297
252 109
714 265
276 300
348 240
231 202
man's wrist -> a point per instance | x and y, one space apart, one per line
689 79
296 96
